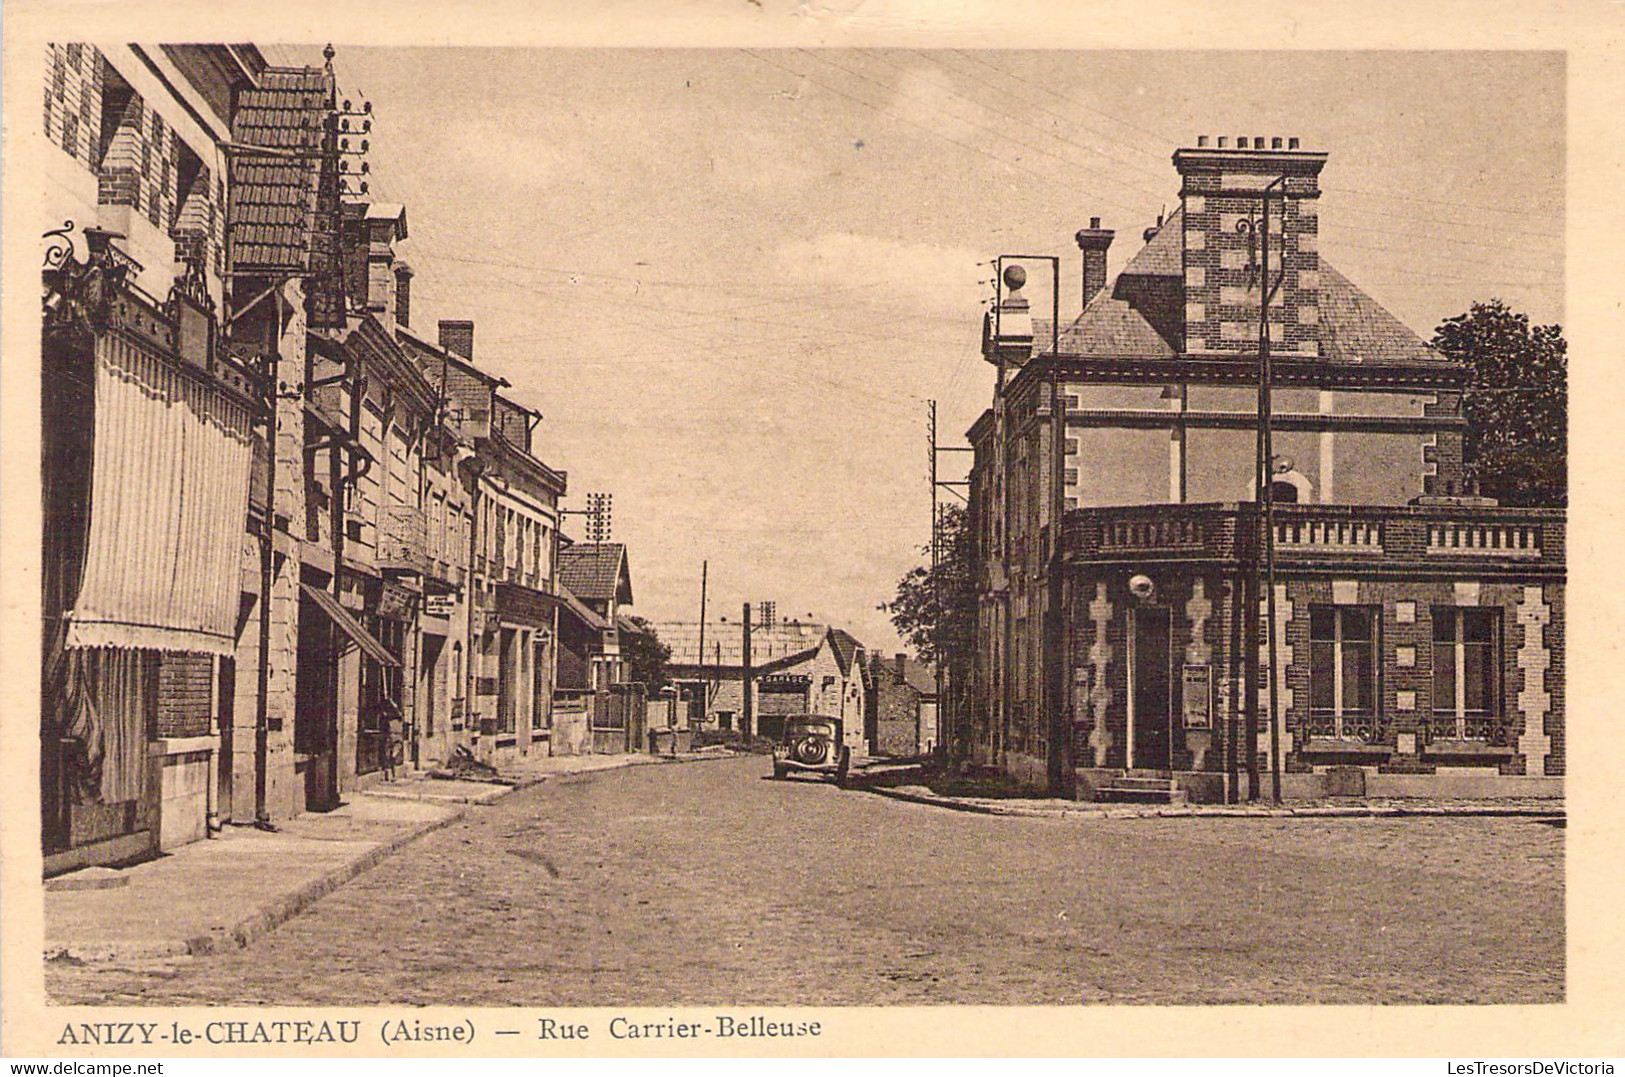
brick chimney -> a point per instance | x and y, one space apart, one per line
1222 185
457 336
380 227
403 294
902 660
1094 242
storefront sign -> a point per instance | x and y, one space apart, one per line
394 602
439 605
1198 697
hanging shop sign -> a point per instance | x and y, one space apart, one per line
394 602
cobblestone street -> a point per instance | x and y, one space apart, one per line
704 883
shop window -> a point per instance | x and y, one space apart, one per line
1466 672
1343 672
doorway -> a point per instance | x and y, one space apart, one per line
315 722
1151 689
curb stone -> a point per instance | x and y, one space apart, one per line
1163 812
288 906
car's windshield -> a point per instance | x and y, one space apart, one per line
804 727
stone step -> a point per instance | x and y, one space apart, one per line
1129 790
1134 782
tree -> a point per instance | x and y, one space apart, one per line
646 656
936 613
1516 404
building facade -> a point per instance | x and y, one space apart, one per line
902 703
289 545
1123 624
794 668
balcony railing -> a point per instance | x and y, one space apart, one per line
1311 534
1181 533
1483 539
1498 539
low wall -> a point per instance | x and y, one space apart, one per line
1462 786
572 732
183 814
610 742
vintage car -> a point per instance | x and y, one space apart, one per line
812 742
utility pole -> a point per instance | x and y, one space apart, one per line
1050 680
1059 754
748 714
946 716
705 689
1266 464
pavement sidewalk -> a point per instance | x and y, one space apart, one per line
1066 809
227 891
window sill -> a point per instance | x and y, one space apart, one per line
1480 748
1344 746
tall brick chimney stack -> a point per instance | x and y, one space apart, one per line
1094 242
1222 186
457 336
403 294
383 225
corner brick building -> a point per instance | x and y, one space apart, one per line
1420 628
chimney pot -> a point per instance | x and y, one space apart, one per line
1241 142
1292 143
457 335
1224 142
1275 143
1258 142
1201 142
1094 222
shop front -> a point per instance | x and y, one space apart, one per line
145 463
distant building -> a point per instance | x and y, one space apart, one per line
595 584
796 668
902 705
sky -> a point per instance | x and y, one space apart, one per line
730 280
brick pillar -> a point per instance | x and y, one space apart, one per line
194 223
121 168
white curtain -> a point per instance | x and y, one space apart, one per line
106 706
168 504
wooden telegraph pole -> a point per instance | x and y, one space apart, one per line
747 726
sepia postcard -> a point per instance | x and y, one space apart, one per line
805 529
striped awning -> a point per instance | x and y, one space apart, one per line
168 508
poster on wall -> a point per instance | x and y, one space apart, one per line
1197 696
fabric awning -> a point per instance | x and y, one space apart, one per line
349 625
168 508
